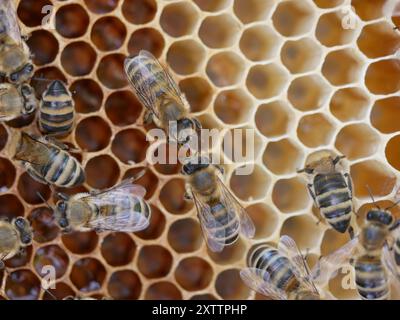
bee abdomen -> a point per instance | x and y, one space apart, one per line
324 183
396 252
371 280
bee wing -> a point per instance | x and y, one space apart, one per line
260 281
326 267
126 187
211 228
9 21
228 199
390 264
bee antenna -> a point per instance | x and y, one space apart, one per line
372 197
139 175
44 200
393 205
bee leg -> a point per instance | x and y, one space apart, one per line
188 193
148 117
351 232
197 124
220 168
349 185
395 225
62 196
309 186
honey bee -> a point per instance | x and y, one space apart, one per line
46 160
221 216
159 93
331 190
120 208
16 101
56 113
15 57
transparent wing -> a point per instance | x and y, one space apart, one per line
231 203
9 21
126 187
211 228
390 264
260 281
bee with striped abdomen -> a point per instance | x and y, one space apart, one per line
56 113
162 97
331 190
16 101
120 208
221 216
46 160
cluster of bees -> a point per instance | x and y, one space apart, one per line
279 272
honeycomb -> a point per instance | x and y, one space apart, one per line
287 69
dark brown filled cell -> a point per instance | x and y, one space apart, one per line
61 291
392 152
3 136
198 93
139 11
78 58
48 73
251 186
88 274
368 10
43 224
172 197
233 106
22 285
193 274
87 95
111 71
10 207
101 6
178 19
225 69
118 249
130 146
123 108
80 242
72 21
229 285
7 174
383 77
31 12
156 227
163 290
205 296
154 261
385 114
231 254
51 255
149 180
124 285
93 134
22 258
108 33
44 47
185 235
146 39
29 189
109 172
185 57
167 151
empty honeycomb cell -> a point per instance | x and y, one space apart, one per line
293 18
108 33
31 190
156 227
357 141
3 136
233 106
290 195
328 3
273 119
78 58
349 104
383 77
230 286
178 19
101 6
330 32
130 146
368 10
185 235
10 206
198 93
167 151
375 33
230 254
315 130
163 290
342 286
342 67
250 187
22 285
264 218
219 31
172 197
282 156
193 273
154 261
21 259
72 21
43 46
149 180
266 81
30 12
118 249
380 179
51 255
185 57
205 296
87 94
301 55
139 11
88 274
225 69
392 152
48 73
7 174
111 71
43 222
332 241
80 242
109 172
124 285
252 10
385 114
259 43
61 291
93 134
308 92
146 39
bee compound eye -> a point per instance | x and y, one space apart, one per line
26 239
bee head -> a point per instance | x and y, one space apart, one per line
187 128
22 75
24 230
195 165
61 214
380 216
